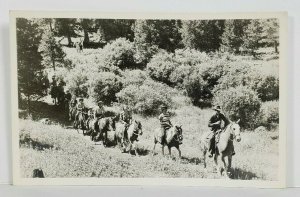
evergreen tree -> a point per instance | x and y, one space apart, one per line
51 51
87 26
253 37
204 35
29 61
150 35
65 27
232 38
112 29
271 33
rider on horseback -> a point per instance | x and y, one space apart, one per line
54 82
80 107
98 112
215 125
165 122
126 118
68 96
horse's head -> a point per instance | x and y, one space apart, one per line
236 131
138 127
178 130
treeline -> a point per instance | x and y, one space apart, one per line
203 35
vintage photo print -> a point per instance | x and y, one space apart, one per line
149 99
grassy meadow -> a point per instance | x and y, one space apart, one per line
61 152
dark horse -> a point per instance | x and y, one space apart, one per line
80 121
100 130
173 138
57 94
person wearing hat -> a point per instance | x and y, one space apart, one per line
165 121
126 118
68 96
215 123
80 107
99 110
54 82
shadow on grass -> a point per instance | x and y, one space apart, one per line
40 110
143 152
237 173
26 141
192 160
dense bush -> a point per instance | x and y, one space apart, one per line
147 98
268 88
196 87
77 80
104 87
119 53
240 103
179 75
269 114
190 57
134 77
161 67
238 73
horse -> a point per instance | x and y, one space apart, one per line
72 114
173 138
99 130
134 130
54 93
80 120
57 94
224 146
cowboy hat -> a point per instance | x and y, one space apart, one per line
163 107
217 108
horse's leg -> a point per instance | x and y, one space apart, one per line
163 149
169 149
179 151
229 161
216 162
224 165
204 157
153 151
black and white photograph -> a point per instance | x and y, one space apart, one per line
172 99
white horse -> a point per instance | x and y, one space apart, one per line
224 146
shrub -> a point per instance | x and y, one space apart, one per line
161 67
179 74
196 87
134 77
77 80
268 88
240 103
119 53
269 113
104 87
190 57
238 73
147 98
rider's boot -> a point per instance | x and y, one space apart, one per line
211 154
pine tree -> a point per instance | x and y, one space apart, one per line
149 35
29 61
271 33
51 51
65 27
253 37
232 38
204 35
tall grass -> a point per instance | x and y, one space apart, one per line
65 153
